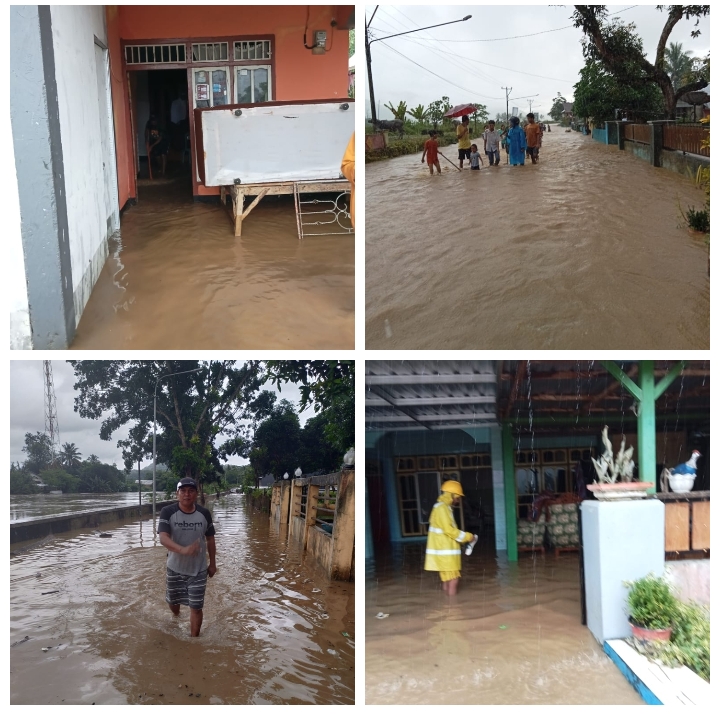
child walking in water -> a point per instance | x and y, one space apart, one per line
431 151
475 158
491 141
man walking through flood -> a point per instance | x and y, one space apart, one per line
444 538
186 530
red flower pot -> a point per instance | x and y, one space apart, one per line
641 633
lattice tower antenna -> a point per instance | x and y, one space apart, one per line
52 430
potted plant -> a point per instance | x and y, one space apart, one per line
609 470
652 608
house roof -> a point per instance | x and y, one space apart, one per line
432 395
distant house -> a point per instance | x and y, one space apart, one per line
567 111
694 106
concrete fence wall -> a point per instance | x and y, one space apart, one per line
334 551
52 525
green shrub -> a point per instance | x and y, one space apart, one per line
698 220
651 603
690 642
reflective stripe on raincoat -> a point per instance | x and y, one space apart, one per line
445 538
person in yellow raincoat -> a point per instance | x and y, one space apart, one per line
445 539
348 169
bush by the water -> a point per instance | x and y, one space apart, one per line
698 220
406 145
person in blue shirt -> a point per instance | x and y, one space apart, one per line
516 142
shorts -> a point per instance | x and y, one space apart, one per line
187 590
464 154
531 151
475 168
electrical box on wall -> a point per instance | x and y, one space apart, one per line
319 41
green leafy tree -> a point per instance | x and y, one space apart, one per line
436 110
21 482
39 452
479 115
317 452
276 444
96 477
60 480
598 94
619 48
70 457
329 385
678 63
351 45
558 105
202 416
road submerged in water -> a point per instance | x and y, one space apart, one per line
275 630
179 279
585 250
512 635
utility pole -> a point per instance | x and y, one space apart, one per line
368 42
507 103
530 101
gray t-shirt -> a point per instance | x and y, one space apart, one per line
184 529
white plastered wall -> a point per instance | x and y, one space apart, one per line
88 157
15 285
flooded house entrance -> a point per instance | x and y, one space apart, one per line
519 437
159 112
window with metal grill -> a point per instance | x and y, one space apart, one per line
253 50
209 51
154 54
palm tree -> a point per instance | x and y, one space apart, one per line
69 456
398 113
678 63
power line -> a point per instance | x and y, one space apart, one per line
444 79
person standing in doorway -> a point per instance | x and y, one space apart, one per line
156 144
178 121
186 530
463 137
445 538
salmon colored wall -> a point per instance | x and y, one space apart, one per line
299 74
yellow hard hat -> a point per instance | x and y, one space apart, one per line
452 487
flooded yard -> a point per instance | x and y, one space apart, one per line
585 250
275 630
179 279
512 635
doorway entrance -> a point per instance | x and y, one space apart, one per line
159 100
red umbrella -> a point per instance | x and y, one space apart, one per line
460 111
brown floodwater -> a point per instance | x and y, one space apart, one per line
512 635
585 250
179 279
272 632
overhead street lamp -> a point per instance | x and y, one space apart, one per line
162 376
387 37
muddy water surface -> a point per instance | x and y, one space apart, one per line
583 250
512 635
179 279
267 638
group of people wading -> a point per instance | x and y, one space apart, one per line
518 142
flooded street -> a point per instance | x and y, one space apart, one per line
272 632
584 250
511 636
181 280
39 505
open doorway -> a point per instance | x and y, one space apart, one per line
160 121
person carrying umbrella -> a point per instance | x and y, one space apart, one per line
445 538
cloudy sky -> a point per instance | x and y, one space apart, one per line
459 61
27 412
